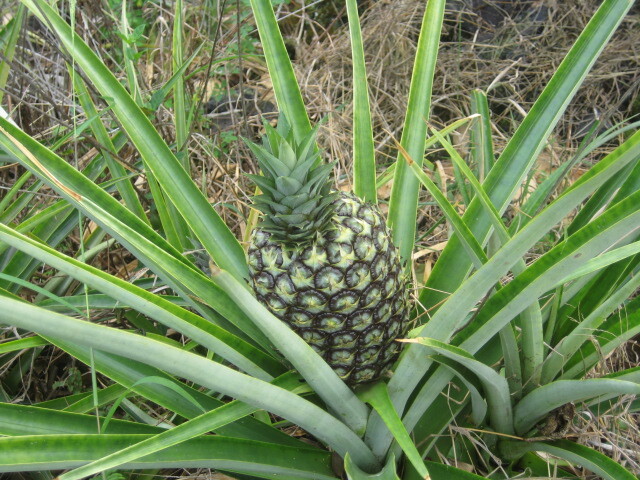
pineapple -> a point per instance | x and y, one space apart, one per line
323 261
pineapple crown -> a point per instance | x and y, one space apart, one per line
296 198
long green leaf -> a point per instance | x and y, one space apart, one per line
617 330
577 296
207 225
502 307
130 51
523 148
129 373
377 396
613 191
198 369
604 260
590 459
206 422
58 452
22 344
98 301
179 108
511 355
124 186
567 347
531 318
386 176
404 195
8 208
495 385
447 319
583 295
285 85
206 333
19 420
57 228
471 245
149 247
481 142
40 290
612 402
494 216
364 163
553 395
8 40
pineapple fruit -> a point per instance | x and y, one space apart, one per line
323 261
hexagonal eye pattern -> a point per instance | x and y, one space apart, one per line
346 293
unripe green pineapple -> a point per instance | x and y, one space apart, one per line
323 261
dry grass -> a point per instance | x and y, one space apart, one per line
511 61
511 65
615 431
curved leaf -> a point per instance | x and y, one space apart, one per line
531 318
197 328
495 385
590 459
128 373
617 330
450 315
544 399
604 260
207 225
209 421
507 303
354 473
138 237
57 452
377 396
198 369
561 353
470 381
523 148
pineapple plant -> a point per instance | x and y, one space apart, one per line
323 262
498 362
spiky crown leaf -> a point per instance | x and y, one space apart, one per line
296 198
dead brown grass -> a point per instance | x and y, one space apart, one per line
511 61
614 429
